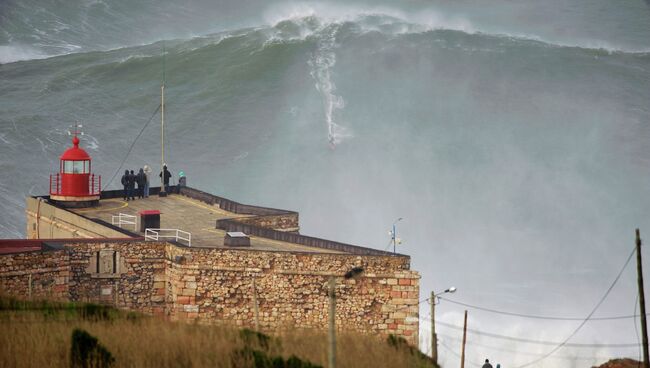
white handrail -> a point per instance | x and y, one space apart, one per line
155 234
125 219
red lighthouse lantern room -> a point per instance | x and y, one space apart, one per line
75 185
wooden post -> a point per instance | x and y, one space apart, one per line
462 352
255 307
434 337
332 324
644 326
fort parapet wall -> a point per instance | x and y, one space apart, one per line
215 285
45 221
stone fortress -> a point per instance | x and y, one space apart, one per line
206 258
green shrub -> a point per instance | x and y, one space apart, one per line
87 352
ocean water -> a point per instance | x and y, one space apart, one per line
511 137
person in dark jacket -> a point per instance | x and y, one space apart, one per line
487 364
141 180
125 184
166 178
132 185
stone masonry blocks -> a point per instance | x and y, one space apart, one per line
216 285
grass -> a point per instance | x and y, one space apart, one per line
39 334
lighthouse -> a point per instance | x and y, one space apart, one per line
75 185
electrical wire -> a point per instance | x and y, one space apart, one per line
131 147
456 354
530 341
388 246
535 316
567 357
556 348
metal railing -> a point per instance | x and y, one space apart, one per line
176 234
94 185
233 224
125 219
55 184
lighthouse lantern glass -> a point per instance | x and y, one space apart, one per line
76 167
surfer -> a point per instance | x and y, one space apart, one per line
332 141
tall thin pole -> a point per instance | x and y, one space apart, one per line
434 337
462 353
644 326
255 307
332 324
162 129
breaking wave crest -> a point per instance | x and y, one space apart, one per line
283 23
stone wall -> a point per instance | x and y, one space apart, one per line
36 274
284 222
216 285
47 221
271 218
127 274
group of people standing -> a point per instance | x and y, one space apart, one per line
130 179
142 180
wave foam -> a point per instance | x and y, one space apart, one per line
396 22
321 62
11 54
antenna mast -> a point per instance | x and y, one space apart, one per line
162 193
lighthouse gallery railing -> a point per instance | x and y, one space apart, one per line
94 184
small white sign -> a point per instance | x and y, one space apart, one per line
107 291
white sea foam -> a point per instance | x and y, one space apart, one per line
91 142
311 17
3 139
321 63
10 54
395 22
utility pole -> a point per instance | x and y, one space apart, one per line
434 337
644 326
462 353
255 307
332 324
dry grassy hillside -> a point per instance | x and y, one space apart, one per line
39 334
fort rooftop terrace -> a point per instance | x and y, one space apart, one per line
208 218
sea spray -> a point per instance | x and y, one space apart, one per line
321 63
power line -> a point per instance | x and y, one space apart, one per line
536 316
456 354
131 147
530 341
556 348
567 357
